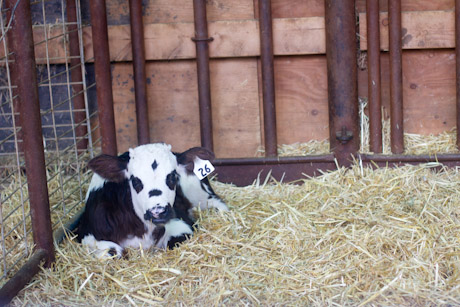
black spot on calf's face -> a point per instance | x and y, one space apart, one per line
137 184
154 165
155 192
171 180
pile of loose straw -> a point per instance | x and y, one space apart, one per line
415 144
349 237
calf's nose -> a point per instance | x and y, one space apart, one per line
157 210
158 214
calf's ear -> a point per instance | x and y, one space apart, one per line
187 157
109 167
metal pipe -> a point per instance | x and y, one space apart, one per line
268 77
342 79
103 76
12 287
202 61
412 159
243 171
140 81
21 41
457 56
396 90
79 113
374 86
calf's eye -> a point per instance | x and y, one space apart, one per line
171 180
137 183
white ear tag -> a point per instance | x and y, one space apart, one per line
202 168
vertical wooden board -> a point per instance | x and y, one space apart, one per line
301 99
412 5
167 11
124 106
173 103
235 107
428 90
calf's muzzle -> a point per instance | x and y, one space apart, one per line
159 214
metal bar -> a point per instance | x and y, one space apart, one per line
12 287
21 41
268 77
201 40
245 171
412 159
396 90
140 81
79 112
103 76
457 56
373 66
342 79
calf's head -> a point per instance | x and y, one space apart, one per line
152 174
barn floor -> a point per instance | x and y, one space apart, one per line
350 237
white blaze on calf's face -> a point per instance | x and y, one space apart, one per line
152 174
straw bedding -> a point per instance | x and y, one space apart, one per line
348 237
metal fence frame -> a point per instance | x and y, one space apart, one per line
65 146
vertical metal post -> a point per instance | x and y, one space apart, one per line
21 42
103 76
202 61
140 81
373 60
76 77
457 54
268 77
342 79
396 90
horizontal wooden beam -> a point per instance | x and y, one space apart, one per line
240 38
420 30
171 41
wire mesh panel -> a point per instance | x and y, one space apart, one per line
64 85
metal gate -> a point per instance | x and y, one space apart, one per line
45 132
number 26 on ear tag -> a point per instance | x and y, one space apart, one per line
202 168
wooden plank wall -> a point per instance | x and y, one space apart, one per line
300 70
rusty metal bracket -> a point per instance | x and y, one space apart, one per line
197 40
344 135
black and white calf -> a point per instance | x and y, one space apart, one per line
144 198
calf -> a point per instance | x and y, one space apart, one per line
143 198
